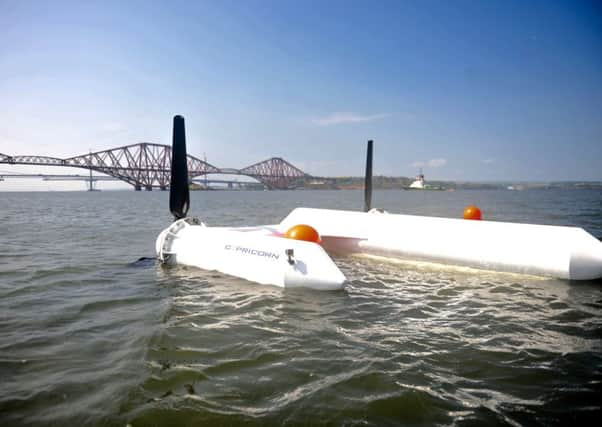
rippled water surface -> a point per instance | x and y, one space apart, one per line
89 336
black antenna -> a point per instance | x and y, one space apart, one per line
179 196
368 180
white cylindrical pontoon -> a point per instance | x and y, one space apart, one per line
544 250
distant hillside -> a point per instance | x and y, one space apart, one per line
391 183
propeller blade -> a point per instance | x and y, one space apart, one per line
179 196
368 180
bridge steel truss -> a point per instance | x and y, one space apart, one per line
274 173
147 165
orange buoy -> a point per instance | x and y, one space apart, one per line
472 212
303 232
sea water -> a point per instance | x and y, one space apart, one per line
89 335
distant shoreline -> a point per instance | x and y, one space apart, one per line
399 183
379 183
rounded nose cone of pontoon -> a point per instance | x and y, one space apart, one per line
332 284
586 261
321 284
322 275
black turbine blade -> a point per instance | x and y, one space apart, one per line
179 196
368 180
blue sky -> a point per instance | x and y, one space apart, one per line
467 90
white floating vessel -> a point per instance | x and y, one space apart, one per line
258 254
543 250
295 252
420 184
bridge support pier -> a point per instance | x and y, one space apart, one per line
163 188
148 187
137 187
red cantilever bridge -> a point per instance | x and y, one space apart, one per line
146 165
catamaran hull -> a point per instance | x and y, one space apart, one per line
261 255
254 253
554 251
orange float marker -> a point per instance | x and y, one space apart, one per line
303 232
473 212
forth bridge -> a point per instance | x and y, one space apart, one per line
147 166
